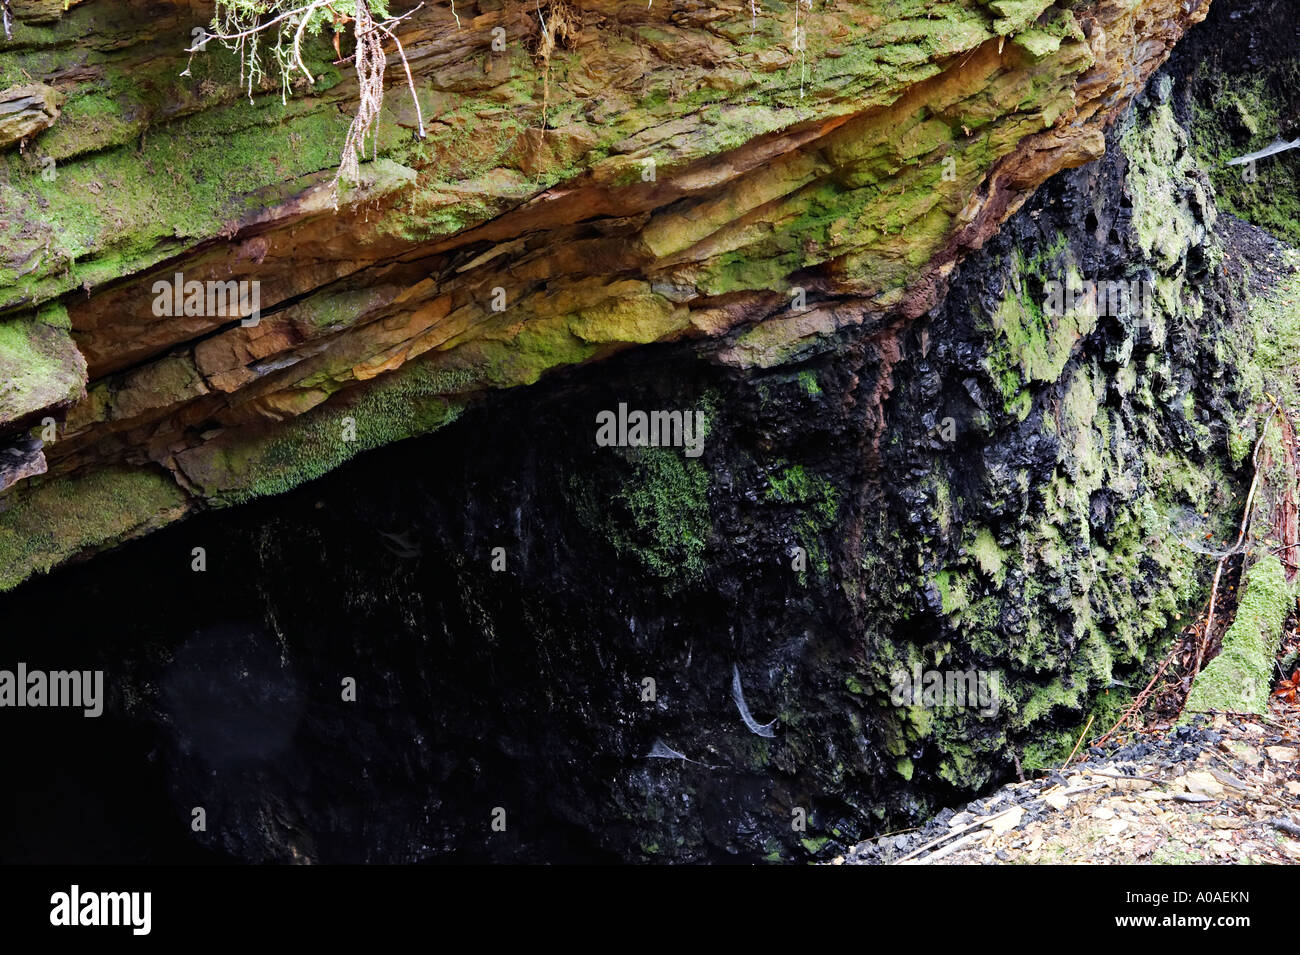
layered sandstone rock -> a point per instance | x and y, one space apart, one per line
677 171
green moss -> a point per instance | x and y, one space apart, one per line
409 402
1062 691
817 500
954 591
988 555
44 524
1240 676
1265 346
123 209
1050 747
1234 116
793 485
40 365
1015 15
667 503
1160 182
1031 345
1240 444
814 844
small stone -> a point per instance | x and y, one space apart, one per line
1057 801
1227 822
1103 812
27 110
1281 754
1007 821
1203 783
1247 754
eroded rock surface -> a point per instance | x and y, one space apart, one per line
26 111
672 171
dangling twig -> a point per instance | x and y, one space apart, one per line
369 61
419 114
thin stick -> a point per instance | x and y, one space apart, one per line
1241 535
1145 779
1077 745
1140 700
983 820
419 115
947 850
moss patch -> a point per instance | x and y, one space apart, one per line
73 515
39 365
667 502
1239 677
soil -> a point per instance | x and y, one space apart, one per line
1223 789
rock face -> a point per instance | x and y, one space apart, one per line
26 111
917 457
679 171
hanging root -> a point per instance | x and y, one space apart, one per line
369 62
558 25
241 28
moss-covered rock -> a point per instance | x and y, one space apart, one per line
40 366
26 111
67 518
1239 678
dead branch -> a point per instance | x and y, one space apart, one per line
1078 744
1236 548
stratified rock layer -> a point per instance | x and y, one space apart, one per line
682 170
26 111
